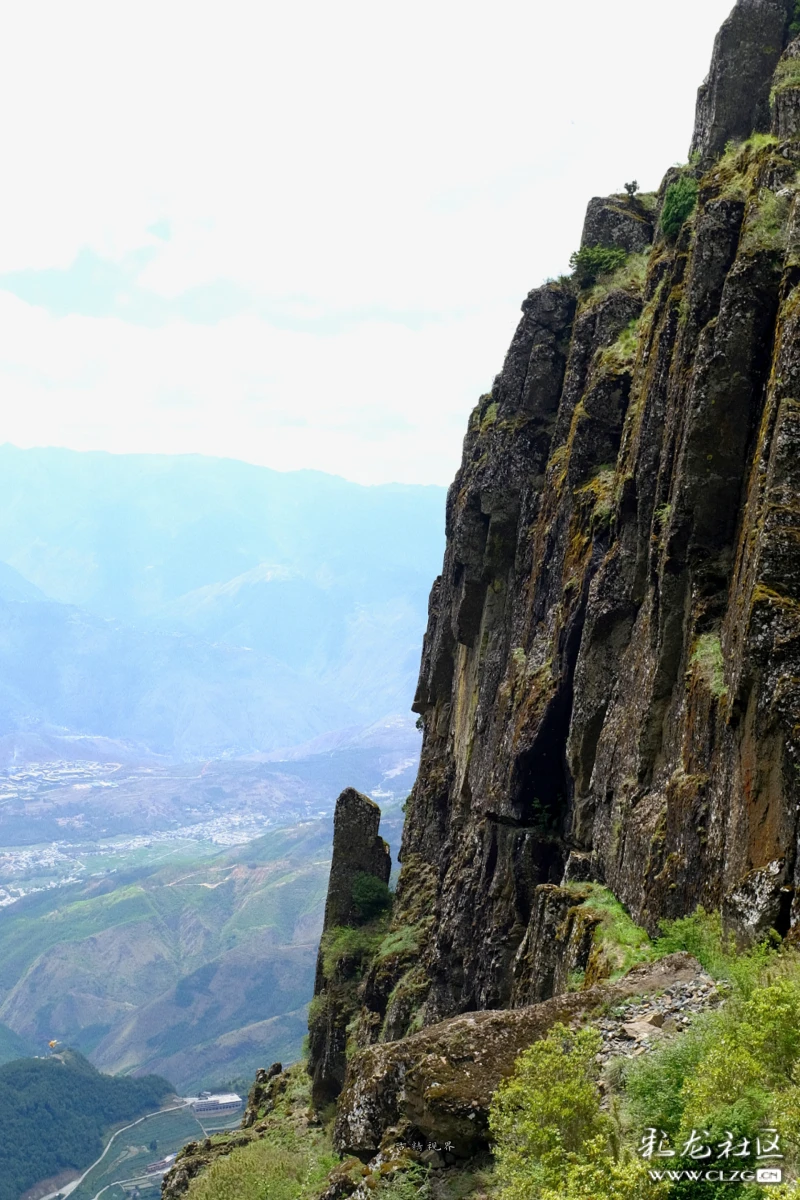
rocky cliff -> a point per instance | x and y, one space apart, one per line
609 683
610 679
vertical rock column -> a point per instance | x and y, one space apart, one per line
357 850
734 100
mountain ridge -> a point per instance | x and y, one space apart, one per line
216 607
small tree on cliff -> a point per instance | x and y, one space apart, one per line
371 897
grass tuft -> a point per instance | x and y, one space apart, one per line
708 661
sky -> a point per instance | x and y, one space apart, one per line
299 233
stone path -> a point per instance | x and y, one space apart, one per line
636 1026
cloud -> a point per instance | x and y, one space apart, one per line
299 234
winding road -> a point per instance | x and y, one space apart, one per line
69 1188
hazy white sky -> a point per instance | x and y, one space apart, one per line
298 232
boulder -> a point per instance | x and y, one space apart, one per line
437 1085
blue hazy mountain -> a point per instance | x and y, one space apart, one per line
199 606
122 535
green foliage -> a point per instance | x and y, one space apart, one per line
767 223
787 75
708 659
552 1142
489 417
349 947
289 1166
738 1068
400 941
289 1161
623 351
699 934
371 897
679 203
546 1110
590 262
596 1175
733 1072
575 980
738 153
661 516
412 1183
630 277
54 1111
794 24
623 943
738 168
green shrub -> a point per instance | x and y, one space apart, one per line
708 658
598 1176
737 1069
727 1087
654 1083
546 1110
794 25
371 896
630 277
623 351
289 1167
679 203
590 262
699 934
552 1142
767 222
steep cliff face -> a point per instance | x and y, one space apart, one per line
734 100
610 680
610 684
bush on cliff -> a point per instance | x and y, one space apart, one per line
552 1142
290 1160
590 262
679 203
736 1071
371 897
794 25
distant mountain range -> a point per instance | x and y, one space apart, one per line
193 607
191 651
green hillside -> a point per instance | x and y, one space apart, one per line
54 1111
12 1046
200 971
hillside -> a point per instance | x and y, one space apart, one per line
193 970
54 1111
